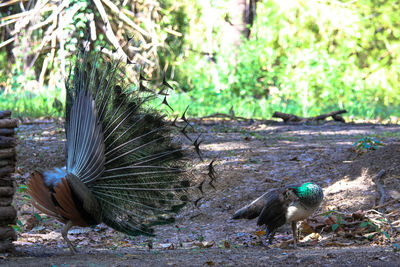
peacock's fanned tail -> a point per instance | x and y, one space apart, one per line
145 179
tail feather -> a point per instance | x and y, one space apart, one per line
42 196
139 177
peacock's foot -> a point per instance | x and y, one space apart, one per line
64 234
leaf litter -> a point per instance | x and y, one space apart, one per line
250 159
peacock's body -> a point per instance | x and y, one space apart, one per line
122 167
280 206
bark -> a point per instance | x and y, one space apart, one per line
7 131
8 153
5 201
6 191
6 171
5 114
7 233
8 123
6 181
6 246
5 162
6 142
8 215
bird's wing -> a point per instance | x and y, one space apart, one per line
85 142
254 209
273 214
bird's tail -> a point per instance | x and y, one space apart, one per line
139 175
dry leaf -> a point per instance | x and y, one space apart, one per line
204 244
260 233
358 215
306 228
227 244
312 236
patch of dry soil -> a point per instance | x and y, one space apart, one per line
252 157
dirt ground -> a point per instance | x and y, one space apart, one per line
251 158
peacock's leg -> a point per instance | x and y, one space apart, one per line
64 234
294 230
270 235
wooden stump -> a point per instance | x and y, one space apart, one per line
8 214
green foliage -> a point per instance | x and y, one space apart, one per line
17 227
374 228
305 58
25 102
339 219
302 57
367 143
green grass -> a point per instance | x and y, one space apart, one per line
30 104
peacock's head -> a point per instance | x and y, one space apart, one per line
309 193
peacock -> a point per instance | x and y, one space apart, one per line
280 206
125 167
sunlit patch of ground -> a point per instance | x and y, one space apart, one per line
251 158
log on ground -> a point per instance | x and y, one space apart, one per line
6 181
6 142
5 114
8 153
293 118
7 233
8 215
6 171
5 162
7 131
6 246
6 191
8 123
6 201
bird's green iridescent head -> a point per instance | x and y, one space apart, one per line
309 193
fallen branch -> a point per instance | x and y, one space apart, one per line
293 118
